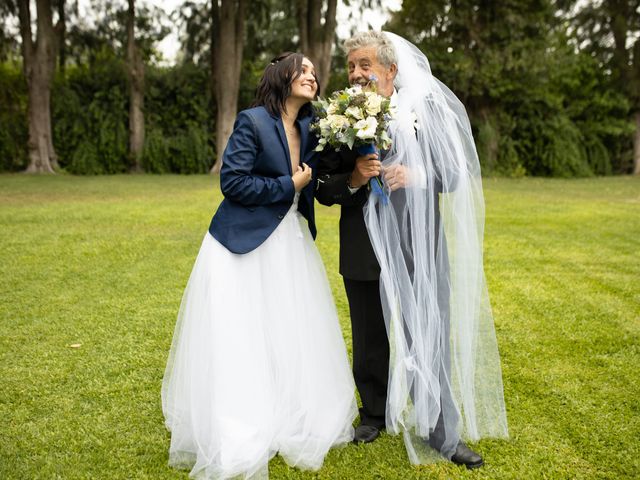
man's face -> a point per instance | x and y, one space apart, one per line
363 63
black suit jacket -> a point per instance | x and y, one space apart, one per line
357 259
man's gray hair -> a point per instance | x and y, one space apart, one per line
384 48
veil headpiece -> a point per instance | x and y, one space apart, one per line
445 380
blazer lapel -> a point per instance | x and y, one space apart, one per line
304 135
283 140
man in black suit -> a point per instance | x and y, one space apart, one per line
343 178
361 272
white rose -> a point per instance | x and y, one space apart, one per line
337 121
373 104
354 112
324 125
366 129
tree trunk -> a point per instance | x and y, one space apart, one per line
136 93
39 60
62 32
635 97
626 71
491 140
227 44
316 38
636 146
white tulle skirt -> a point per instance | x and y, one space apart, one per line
258 364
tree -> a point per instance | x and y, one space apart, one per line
39 59
317 34
624 22
485 52
610 31
8 45
227 43
195 20
536 103
62 34
135 70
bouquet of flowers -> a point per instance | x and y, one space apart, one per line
354 117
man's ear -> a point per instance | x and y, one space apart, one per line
393 71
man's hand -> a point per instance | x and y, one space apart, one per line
367 166
396 176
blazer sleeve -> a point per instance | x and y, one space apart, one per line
331 182
237 181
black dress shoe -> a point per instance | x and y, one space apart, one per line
467 457
366 434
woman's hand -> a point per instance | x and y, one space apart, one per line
302 177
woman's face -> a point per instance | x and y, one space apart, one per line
305 86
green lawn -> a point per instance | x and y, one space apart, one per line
101 262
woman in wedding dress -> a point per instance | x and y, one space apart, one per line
258 364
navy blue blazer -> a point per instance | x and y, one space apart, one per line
256 180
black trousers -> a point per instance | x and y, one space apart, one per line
371 358
370 349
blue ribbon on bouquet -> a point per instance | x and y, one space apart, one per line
376 184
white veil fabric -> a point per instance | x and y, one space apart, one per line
445 380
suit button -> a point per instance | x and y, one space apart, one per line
280 216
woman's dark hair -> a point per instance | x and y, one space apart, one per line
275 85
